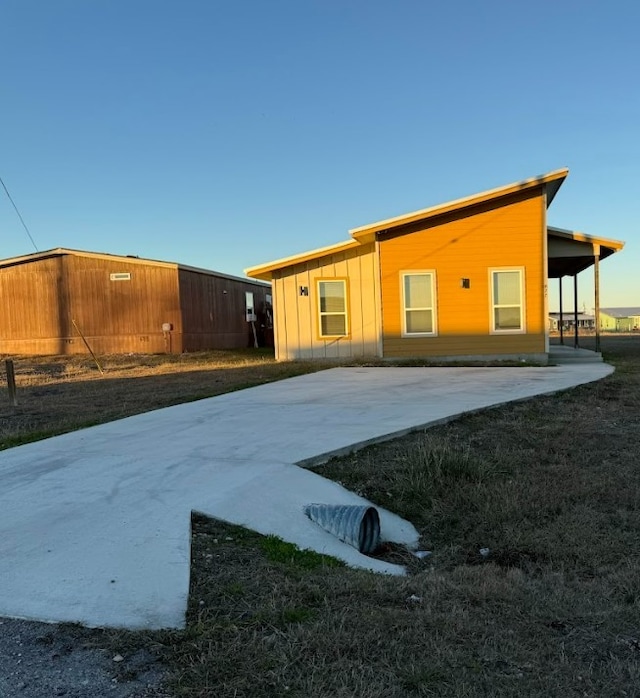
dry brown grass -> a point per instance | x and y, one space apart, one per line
551 486
62 393
58 394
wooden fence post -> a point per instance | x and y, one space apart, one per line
11 382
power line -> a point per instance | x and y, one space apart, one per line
24 225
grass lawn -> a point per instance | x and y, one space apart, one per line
58 394
551 486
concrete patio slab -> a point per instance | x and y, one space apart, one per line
95 524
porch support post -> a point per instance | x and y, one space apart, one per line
561 319
575 311
596 284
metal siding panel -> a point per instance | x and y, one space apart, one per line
44 296
121 316
31 312
214 311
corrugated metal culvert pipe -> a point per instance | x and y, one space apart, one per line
356 525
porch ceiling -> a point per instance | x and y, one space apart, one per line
570 252
570 266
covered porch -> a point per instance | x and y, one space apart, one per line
569 253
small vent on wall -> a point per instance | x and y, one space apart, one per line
120 276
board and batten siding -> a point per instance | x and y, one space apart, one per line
296 315
506 234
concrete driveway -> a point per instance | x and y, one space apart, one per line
95 524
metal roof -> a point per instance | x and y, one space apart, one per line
621 312
570 315
570 252
263 271
367 233
130 259
551 180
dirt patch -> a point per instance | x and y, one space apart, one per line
37 660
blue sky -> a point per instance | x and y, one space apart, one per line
227 134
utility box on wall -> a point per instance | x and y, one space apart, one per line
249 307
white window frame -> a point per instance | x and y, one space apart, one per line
434 302
321 314
492 305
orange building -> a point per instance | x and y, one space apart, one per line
466 279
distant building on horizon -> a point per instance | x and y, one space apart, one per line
620 319
611 320
585 321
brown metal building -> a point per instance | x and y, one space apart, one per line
50 300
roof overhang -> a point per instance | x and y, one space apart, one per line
551 181
61 251
265 271
569 252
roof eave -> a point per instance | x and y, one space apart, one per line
552 180
265 271
615 245
59 251
33 256
129 259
